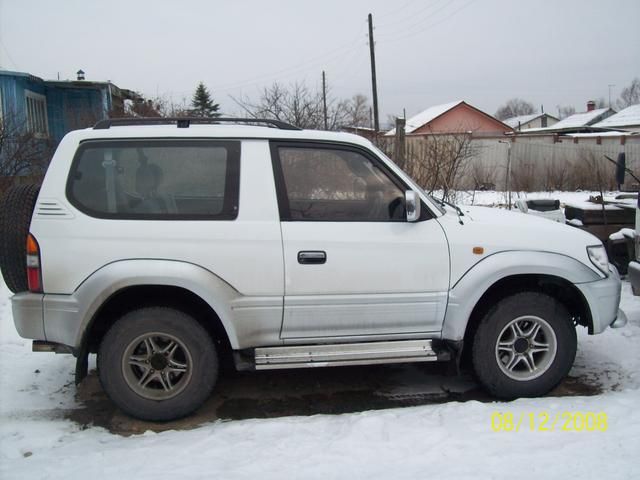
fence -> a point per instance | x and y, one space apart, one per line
536 163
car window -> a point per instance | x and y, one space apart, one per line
156 179
329 184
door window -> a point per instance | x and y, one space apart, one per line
332 185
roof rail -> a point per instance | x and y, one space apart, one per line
184 122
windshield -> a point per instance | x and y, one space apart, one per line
437 205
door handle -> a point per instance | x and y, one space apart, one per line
312 257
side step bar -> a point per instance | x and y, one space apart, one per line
304 356
42 346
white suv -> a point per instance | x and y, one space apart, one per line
168 246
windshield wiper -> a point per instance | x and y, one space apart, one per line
458 210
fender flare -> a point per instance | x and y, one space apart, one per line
112 278
469 289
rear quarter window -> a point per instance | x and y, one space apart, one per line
160 179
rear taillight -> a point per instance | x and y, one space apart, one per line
34 272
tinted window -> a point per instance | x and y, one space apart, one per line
327 184
156 179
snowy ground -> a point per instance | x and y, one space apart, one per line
493 198
450 440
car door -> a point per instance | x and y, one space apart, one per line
354 266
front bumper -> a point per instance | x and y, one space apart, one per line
603 297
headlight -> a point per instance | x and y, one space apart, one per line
598 256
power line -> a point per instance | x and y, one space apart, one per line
412 15
315 61
419 23
428 27
400 9
15 65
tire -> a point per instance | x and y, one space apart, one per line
505 347
15 219
131 353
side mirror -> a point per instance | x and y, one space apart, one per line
412 205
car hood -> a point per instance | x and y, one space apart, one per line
497 230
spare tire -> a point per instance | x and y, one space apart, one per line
15 218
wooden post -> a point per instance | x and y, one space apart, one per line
399 143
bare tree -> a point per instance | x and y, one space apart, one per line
630 95
357 114
556 175
300 106
21 151
523 176
565 111
153 107
439 162
484 176
146 108
514 108
590 171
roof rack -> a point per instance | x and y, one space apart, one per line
184 122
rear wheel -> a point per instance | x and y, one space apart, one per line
15 219
157 364
524 346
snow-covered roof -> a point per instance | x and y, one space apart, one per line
624 118
580 119
513 122
425 116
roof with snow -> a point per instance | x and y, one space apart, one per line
426 116
627 117
581 119
515 122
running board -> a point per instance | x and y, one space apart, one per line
304 356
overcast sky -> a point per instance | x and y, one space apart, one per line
427 51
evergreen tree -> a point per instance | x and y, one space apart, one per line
202 103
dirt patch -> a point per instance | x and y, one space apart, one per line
269 394
576 386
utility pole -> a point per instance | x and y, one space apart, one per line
507 180
374 87
324 100
610 85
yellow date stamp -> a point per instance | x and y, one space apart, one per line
549 422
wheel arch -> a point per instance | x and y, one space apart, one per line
140 296
500 275
556 287
139 282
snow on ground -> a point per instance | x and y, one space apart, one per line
493 198
452 440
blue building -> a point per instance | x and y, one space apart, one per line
50 108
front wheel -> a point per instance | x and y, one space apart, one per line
157 364
524 346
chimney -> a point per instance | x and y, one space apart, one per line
80 74
591 105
